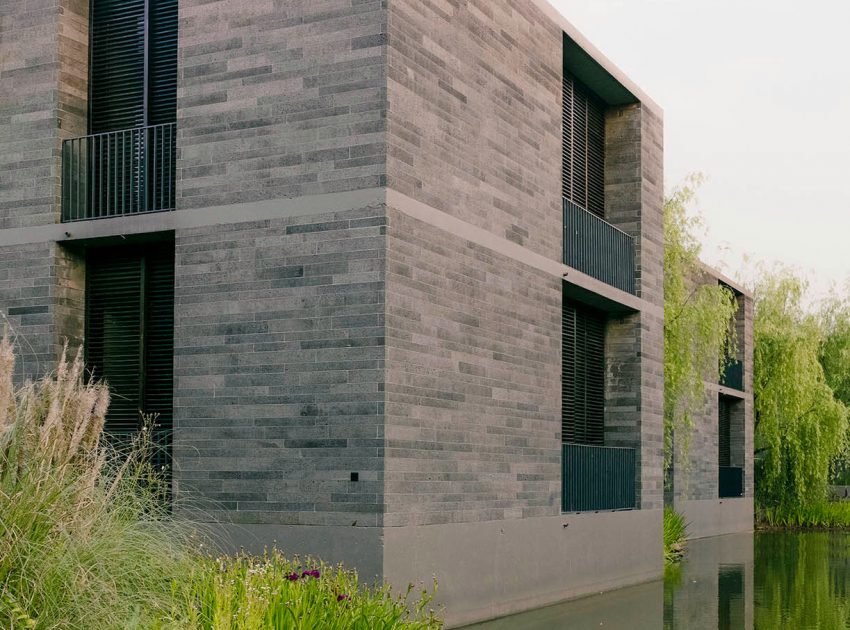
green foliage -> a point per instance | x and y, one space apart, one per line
800 581
675 533
834 351
835 359
698 318
819 515
81 544
249 593
85 542
800 426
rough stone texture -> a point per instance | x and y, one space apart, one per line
280 99
43 83
279 356
40 302
473 382
635 344
367 341
474 94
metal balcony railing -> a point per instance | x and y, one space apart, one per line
598 478
597 248
119 173
731 482
733 376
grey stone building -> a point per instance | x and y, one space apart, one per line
349 251
712 480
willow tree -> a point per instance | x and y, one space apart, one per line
698 322
835 360
835 346
800 427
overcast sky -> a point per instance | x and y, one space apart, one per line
756 95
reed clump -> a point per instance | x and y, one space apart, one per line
87 539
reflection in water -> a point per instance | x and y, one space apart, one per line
802 581
741 582
730 597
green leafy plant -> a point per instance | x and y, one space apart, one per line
675 534
698 323
276 593
82 543
819 515
800 426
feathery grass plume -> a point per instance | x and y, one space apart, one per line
86 540
81 546
7 390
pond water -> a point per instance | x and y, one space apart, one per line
762 581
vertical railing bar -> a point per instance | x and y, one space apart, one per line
137 168
128 176
122 172
92 185
156 170
173 168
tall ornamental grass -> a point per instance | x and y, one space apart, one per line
83 543
86 540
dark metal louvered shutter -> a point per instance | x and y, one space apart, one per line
130 334
114 304
117 81
583 158
725 433
583 375
162 62
133 80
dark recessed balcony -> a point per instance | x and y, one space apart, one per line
119 173
733 375
597 248
597 478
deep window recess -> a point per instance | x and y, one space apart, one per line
583 160
133 80
130 337
725 433
127 163
583 375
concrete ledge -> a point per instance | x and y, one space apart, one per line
308 205
717 517
606 296
492 569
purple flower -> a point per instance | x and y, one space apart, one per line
314 573
342 598
292 577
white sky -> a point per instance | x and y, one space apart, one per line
756 95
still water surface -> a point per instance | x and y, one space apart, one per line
765 582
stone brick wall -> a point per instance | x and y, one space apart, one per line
279 356
41 303
473 381
474 130
280 99
635 344
43 86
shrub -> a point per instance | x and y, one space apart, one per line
675 533
251 593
